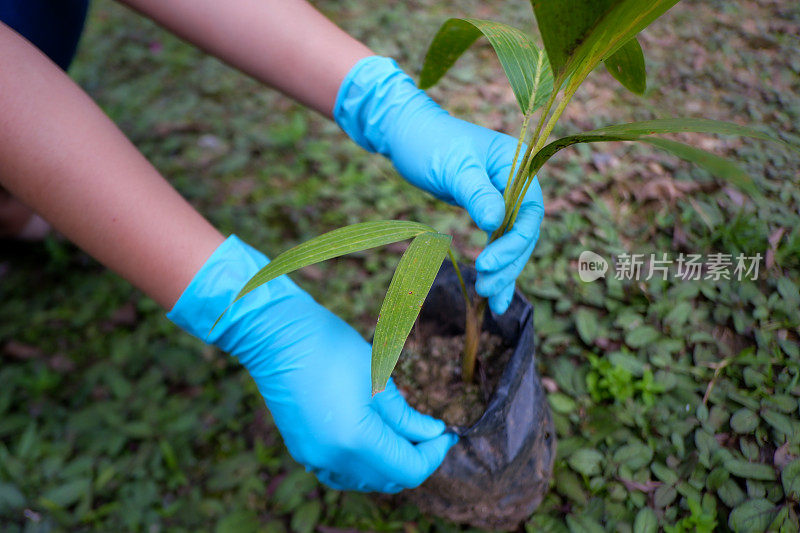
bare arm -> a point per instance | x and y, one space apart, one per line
64 158
286 44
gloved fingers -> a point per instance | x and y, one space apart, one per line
472 190
404 419
501 157
517 241
338 481
491 284
391 489
331 480
397 460
499 302
435 450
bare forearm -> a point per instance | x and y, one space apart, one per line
286 44
63 157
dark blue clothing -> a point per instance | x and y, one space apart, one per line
54 26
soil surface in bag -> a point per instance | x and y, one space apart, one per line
498 472
429 376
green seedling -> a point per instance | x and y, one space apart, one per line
577 35
607 381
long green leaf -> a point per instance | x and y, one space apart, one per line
641 131
410 285
627 66
635 131
342 241
694 125
524 63
712 163
578 34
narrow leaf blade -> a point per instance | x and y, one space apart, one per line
410 285
578 34
694 125
636 131
524 63
454 37
627 67
564 24
341 241
712 163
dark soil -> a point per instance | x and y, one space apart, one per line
429 376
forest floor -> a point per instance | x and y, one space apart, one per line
675 401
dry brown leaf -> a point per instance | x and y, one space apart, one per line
679 237
61 363
549 384
663 189
557 205
735 195
646 487
125 315
604 161
312 272
774 239
782 456
578 197
21 351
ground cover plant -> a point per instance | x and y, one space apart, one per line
110 418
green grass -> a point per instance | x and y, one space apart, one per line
680 398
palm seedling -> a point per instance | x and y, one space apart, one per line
577 35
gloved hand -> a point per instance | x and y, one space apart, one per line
383 111
313 371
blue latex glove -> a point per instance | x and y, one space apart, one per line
383 111
313 371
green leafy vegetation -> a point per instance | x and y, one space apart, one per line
112 419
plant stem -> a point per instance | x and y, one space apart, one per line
464 292
472 337
520 171
551 123
518 204
511 179
473 320
543 117
515 191
521 189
